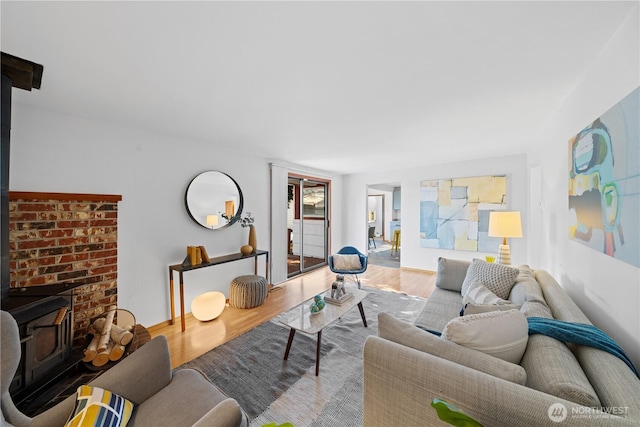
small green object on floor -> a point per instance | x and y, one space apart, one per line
279 425
451 414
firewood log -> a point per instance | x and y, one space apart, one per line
122 336
116 352
98 324
92 349
102 358
105 335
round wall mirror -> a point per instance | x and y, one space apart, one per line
213 200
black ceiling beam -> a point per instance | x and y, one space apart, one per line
24 74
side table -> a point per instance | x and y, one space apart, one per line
182 268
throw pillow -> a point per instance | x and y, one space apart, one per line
479 294
349 262
503 334
473 308
98 407
451 273
498 278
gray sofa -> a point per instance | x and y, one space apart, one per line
406 367
161 397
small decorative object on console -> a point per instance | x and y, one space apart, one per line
194 255
247 221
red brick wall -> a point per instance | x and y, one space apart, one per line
57 237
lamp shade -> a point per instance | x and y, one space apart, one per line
212 220
505 224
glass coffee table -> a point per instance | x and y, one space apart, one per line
301 319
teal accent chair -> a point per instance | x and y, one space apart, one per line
350 250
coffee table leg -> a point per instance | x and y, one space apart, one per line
292 332
364 319
318 353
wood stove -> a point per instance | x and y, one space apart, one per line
45 319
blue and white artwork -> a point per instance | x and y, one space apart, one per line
454 213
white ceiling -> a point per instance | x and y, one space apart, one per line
340 86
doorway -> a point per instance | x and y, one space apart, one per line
307 224
384 213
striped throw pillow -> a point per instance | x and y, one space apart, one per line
99 408
479 294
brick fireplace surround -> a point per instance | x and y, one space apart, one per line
72 238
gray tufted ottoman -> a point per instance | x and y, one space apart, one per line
247 291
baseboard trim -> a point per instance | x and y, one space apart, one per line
168 323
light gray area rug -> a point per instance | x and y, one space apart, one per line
380 248
251 368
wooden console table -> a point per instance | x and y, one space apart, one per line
181 268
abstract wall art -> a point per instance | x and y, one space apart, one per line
604 182
454 213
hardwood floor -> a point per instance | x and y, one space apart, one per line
201 337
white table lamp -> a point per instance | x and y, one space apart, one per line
505 224
212 220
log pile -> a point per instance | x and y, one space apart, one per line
109 340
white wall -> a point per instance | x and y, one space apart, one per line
51 152
607 289
412 255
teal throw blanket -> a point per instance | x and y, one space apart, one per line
578 333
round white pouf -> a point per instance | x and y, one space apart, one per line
247 291
208 306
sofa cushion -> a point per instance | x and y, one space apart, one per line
601 368
551 366
451 273
441 307
99 407
527 293
553 369
409 335
503 334
349 262
498 278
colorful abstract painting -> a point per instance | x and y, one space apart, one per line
454 213
604 182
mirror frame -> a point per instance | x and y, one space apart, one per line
238 210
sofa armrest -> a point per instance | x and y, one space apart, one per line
225 414
137 377
400 383
57 415
141 374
